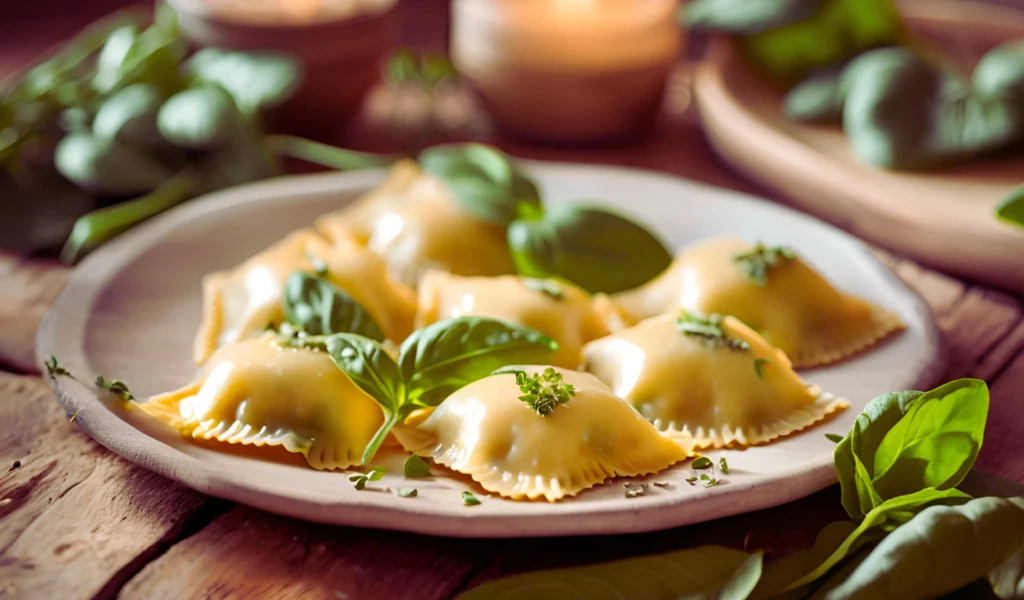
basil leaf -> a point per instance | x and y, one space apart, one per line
199 118
1011 210
817 99
440 358
909 441
315 305
256 81
704 572
940 550
745 17
482 180
370 367
129 116
885 518
589 246
107 167
415 466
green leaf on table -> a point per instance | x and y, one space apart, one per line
1011 210
440 358
107 167
908 441
256 81
745 17
416 466
704 572
129 116
483 181
199 118
940 550
902 111
318 307
592 247
133 55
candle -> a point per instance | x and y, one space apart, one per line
567 70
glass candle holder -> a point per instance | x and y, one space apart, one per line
567 71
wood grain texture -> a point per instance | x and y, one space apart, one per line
76 519
29 288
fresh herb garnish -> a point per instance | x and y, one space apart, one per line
55 370
544 286
662 484
469 499
702 462
633 492
433 362
708 480
318 265
691 480
75 416
759 364
723 465
115 386
415 466
315 306
834 437
708 330
756 263
545 391
407 492
360 480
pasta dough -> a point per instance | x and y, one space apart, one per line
239 303
485 431
559 310
257 392
794 307
415 224
706 391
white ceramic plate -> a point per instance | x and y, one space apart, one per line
131 309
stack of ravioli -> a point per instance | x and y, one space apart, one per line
702 356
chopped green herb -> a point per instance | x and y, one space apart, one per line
407 492
469 499
55 370
360 479
835 437
702 462
544 392
662 484
545 286
708 330
634 492
759 364
756 263
416 467
691 480
708 480
723 465
319 266
75 416
115 386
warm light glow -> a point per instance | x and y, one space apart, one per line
576 5
303 9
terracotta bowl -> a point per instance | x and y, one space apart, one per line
341 54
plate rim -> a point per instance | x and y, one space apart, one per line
116 433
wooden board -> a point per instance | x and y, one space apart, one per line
943 219
130 311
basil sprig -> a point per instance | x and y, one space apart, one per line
597 249
432 363
483 181
913 534
314 305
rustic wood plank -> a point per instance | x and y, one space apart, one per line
27 289
1003 451
77 519
250 554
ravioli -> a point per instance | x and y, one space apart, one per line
239 303
485 431
560 310
707 391
258 393
415 224
791 304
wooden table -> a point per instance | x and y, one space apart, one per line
77 521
